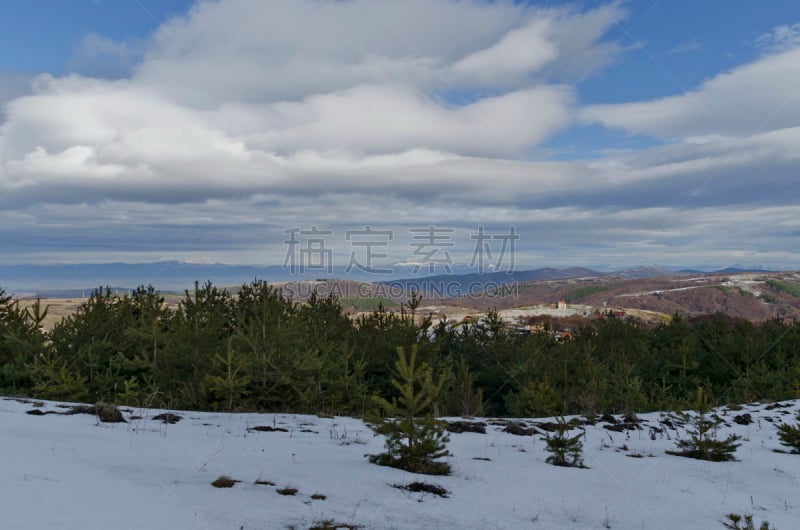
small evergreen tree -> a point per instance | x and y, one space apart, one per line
565 450
703 443
469 400
226 382
414 438
738 522
790 436
56 379
22 342
534 400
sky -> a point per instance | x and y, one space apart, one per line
382 134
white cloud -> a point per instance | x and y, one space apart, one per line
756 97
781 38
521 51
389 119
245 91
578 37
100 56
288 50
686 47
12 86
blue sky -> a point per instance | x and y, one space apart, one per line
46 34
609 133
683 43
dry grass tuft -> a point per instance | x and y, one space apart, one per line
330 524
423 487
109 413
224 481
168 417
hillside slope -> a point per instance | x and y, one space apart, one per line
752 296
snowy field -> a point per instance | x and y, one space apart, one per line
74 472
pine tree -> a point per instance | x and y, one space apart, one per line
414 438
565 451
535 399
790 436
264 332
86 344
201 327
469 399
703 443
55 379
345 386
737 522
22 342
226 383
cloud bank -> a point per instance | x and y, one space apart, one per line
242 119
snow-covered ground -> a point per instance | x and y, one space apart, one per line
72 471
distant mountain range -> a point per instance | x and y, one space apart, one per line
164 275
455 285
75 279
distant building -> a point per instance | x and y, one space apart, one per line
564 334
536 327
562 304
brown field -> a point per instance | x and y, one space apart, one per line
58 308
